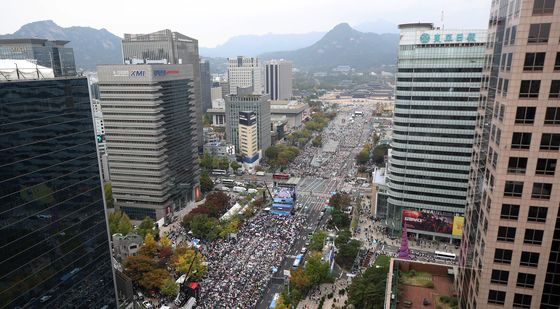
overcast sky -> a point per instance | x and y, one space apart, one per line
212 22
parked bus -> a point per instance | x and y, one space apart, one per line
260 173
228 183
239 189
280 176
219 172
274 300
297 261
445 256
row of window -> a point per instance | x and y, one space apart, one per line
528 258
532 237
524 280
535 62
530 89
535 214
545 166
540 190
522 140
519 300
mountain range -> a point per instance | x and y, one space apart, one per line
342 45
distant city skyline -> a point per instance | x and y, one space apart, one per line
207 25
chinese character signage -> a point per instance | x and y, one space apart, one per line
426 38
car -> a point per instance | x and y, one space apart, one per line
45 298
147 304
307 243
303 250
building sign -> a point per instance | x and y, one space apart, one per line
159 73
137 73
429 222
121 73
426 38
458 223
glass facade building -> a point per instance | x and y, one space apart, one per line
54 248
437 88
50 54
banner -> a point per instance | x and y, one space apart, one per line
429 222
458 223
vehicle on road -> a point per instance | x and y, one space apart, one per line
260 174
251 190
45 298
147 305
297 261
239 189
274 300
440 255
303 250
219 172
228 182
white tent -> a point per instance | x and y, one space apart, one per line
12 69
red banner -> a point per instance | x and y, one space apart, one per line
430 222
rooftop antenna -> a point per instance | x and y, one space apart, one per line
442 24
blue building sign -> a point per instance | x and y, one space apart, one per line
425 38
138 73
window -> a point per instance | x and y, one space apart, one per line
525 280
552 115
538 33
529 89
502 256
513 188
521 140
541 190
522 301
506 233
554 89
525 115
533 237
542 7
501 111
550 141
499 276
537 214
506 87
557 62
506 36
546 166
509 212
530 259
517 165
508 62
513 34
534 62
496 297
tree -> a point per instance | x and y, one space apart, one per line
136 266
169 288
342 237
339 219
317 141
368 289
206 161
340 200
108 189
150 247
235 165
280 303
119 223
146 226
347 253
317 241
205 227
379 154
154 279
206 184
316 270
217 203
229 227
184 257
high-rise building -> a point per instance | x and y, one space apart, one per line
438 83
166 46
260 105
55 250
245 75
248 136
278 79
150 131
205 85
510 253
47 53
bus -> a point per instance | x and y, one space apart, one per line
297 261
219 172
445 256
274 300
358 113
280 176
228 183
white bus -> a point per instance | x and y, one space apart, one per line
228 183
445 256
219 172
260 174
297 261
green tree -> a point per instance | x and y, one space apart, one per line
317 271
235 165
119 223
339 219
379 154
368 289
169 288
347 253
317 141
187 258
205 227
317 240
108 189
280 304
146 226
206 184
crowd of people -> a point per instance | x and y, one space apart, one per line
240 267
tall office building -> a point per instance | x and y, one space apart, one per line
169 47
245 73
248 136
438 84
278 79
55 250
47 53
510 253
150 131
260 105
205 85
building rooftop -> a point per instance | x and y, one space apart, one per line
12 69
33 41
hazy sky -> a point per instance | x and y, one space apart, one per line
212 22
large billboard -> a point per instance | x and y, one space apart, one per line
458 223
429 222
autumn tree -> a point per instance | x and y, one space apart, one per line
184 257
136 266
169 288
150 247
316 270
154 279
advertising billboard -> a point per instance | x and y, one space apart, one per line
458 222
429 222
